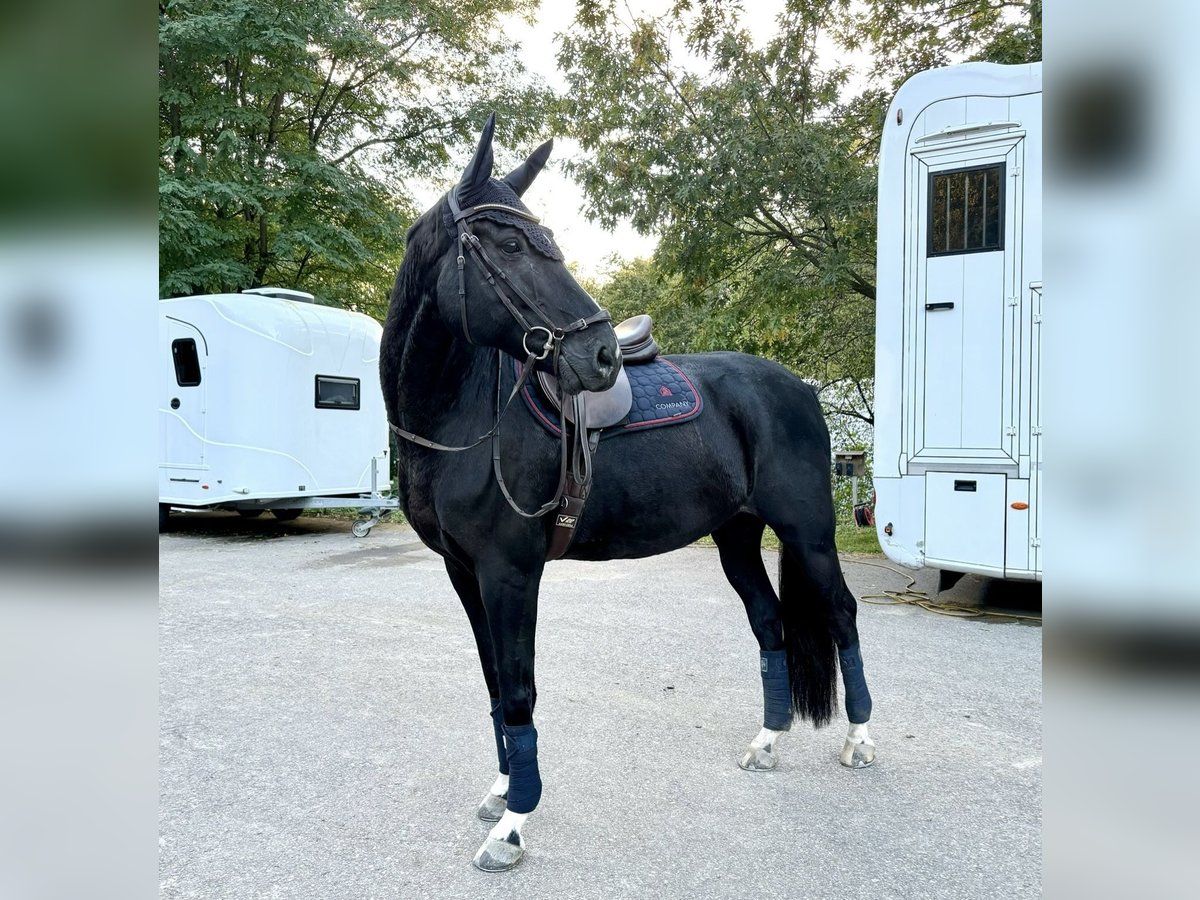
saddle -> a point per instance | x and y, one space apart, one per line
603 409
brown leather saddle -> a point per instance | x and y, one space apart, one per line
603 409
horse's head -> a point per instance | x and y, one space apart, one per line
504 283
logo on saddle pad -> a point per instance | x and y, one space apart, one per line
567 521
664 391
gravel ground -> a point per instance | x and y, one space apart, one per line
325 734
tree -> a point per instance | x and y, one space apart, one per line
291 129
910 36
758 180
755 164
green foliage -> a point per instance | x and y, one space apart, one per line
758 179
910 36
290 130
756 166
852 539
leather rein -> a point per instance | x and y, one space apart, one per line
575 446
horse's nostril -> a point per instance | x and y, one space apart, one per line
604 356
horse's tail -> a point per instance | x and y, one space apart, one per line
808 639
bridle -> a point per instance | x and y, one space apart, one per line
468 243
575 464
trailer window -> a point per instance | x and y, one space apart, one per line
187 362
337 393
966 210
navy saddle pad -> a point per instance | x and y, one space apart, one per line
662 395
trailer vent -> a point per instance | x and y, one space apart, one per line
282 294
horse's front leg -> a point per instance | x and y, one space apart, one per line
467 586
510 592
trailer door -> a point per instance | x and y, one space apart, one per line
965 310
183 400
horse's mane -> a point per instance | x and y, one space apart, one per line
425 243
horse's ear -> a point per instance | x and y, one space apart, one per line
479 169
520 178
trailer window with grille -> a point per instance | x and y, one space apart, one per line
187 362
966 210
337 393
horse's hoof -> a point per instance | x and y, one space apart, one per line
857 754
492 808
500 855
758 759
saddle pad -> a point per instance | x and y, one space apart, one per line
662 395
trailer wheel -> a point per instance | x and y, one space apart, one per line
250 513
360 529
164 517
286 515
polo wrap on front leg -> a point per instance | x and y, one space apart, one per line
498 728
858 698
777 692
524 780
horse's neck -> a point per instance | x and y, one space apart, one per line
446 387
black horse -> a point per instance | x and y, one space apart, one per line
480 278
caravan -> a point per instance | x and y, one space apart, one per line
270 401
958 452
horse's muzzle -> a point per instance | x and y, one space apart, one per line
589 360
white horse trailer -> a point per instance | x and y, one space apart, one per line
958 455
270 401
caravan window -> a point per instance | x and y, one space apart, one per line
187 362
966 210
337 393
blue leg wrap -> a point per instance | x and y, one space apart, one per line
498 727
524 780
777 692
858 698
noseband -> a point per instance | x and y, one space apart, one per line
495 275
575 463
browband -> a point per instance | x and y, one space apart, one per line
472 211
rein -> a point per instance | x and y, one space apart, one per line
575 462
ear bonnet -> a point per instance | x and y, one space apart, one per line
478 188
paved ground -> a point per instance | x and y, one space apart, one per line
325 735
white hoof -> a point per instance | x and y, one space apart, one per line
504 847
499 856
494 805
761 757
492 808
859 750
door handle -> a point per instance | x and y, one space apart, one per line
174 403
934 307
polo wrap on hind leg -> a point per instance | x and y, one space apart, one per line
524 780
858 698
498 727
777 693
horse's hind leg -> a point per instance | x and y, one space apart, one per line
739 542
859 749
465 584
814 591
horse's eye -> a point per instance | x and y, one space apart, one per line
512 245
